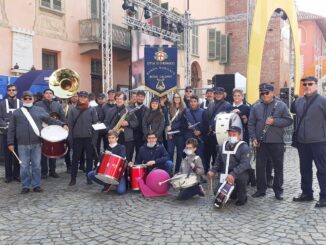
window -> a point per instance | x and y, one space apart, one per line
96 67
49 60
55 5
95 9
224 59
211 44
195 37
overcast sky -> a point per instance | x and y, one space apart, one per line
313 6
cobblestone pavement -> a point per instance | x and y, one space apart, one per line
84 215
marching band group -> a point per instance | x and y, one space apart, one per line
151 136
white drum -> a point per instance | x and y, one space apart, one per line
54 141
182 181
223 121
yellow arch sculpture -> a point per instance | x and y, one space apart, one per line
263 12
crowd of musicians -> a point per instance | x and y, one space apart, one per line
177 136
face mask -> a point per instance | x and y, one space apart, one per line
28 105
92 103
150 145
113 145
188 151
233 140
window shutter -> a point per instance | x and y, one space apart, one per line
218 45
211 44
224 59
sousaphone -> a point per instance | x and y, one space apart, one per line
64 82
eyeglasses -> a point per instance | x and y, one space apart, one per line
307 84
28 98
11 90
264 93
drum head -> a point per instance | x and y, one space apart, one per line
54 133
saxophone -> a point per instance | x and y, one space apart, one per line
118 128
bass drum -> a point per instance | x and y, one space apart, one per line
223 121
54 141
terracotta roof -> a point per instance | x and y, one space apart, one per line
320 20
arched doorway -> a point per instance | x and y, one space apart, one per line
196 75
263 12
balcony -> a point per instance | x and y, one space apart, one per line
90 36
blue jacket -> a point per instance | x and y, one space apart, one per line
191 117
119 150
157 153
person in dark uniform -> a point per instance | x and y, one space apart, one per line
187 95
154 120
124 121
140 110
214 108
153 155
110 101
239 165
209 98
25 126
266 129
193 126
101 134
54 108
117 149
174 131
311 140
7 107
81 136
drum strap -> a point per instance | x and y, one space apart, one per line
74 124
215 111
31 121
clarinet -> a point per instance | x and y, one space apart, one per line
266 127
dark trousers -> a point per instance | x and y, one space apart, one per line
67 157
12 167
269 170
313 152
211 149
45 168
138 143
189 192
79 146
102 137
178 143
130 147
274 152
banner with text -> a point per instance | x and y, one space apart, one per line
161 69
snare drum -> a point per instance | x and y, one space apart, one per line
137 172
182 181
223 121
223 194
54 141
111 168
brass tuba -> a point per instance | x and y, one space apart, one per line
64 82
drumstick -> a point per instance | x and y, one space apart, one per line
161 183
19 161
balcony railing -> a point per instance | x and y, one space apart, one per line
90 32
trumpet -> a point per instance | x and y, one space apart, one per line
64 82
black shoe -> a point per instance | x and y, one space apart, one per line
258 194
241 202
8 180
38 189
17 179
279 197
24 191
44 176
270 183
303 198
321 204
72 182
54 175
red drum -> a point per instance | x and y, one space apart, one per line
111 168
137 172
54 141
